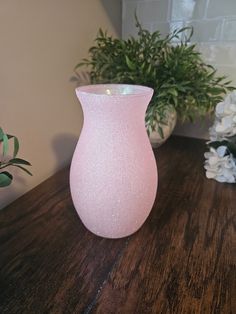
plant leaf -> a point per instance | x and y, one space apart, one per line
5 144
5 179
79 65
19 161
16 146
1 135
160 131
173 92
129 63
4 138
23 168
151 60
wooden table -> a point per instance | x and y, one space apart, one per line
182 260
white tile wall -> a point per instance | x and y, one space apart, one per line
150 13
221 8
219 53
214 23
163 27
155 10
229 29
182 9
128 20
205 31
213 20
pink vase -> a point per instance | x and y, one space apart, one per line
113 175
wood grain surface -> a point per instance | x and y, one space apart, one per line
183 259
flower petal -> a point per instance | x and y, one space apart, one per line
221 150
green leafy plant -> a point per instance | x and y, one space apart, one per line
175 71
6 161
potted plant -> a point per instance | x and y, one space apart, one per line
7 161
182 82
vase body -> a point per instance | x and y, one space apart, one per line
113 175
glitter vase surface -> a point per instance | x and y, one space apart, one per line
113 175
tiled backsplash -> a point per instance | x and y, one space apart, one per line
214 23
213 20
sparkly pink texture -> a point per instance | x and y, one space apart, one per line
113 175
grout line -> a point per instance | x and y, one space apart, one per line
217 18
206 9
218 43
169 11
222 30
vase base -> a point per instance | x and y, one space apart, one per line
115 237
112 236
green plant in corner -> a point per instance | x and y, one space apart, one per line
6 161
176 72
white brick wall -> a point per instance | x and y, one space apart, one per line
216 17
214 23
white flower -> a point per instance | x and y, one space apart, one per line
221 150
224 125
232 97
225 121
213 135
220 163
219 167
220 109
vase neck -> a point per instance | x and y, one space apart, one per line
99 106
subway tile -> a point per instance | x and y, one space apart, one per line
205 31
188 9
221 8
162 27
141 0
128 29
200 9
229 71
128 22
131 30
219 53
128 10
182 9
148 12
174 25
210 52
153 11
229 29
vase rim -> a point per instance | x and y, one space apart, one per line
115 90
